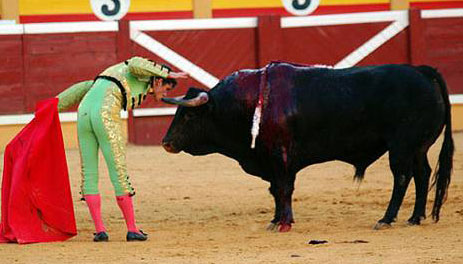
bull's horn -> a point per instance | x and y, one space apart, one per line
200 99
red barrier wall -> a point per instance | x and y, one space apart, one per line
444 49
52 62
329 44
37 66
219 52
11 74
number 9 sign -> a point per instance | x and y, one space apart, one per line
110 9
300 7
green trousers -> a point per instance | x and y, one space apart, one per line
99 126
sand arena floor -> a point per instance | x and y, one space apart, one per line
207 210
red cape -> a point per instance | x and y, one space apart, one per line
36 195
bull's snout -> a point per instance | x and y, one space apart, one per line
168 147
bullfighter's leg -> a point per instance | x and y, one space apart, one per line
107 125
88 144
401 166
282 190
108 129
421 174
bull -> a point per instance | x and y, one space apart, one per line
306 115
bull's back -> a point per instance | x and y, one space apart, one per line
358 111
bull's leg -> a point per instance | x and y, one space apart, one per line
276 217
273 226
421 174
282 191
401 166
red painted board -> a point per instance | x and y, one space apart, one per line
11 74
269 40
151 130
219 52
444 50
326 44
53 62
394 51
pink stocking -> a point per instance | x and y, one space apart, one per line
94 206
126 206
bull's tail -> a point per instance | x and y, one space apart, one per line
442 174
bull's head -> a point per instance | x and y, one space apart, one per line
187 130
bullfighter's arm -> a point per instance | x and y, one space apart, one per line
73 95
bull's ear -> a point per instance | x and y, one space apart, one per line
200 99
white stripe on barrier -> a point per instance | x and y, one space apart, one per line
455 99
68 117
70 27
162 111
442 13
375 42
15 119
7 21
173 58
342 19
6 29
191 24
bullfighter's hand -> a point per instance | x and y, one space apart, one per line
177 75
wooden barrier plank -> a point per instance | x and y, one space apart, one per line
269 40
59 60
151 130
219 52
11 74
417 41
444 49
327 44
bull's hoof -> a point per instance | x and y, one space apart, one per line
279 227
382 226
413 223
415 220
272 227
284 228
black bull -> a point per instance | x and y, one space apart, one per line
312 115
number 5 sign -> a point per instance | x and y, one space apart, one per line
300 7
110 9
